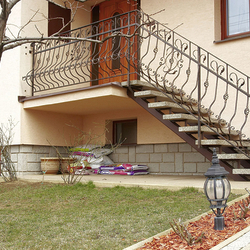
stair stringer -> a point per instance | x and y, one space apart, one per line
206 152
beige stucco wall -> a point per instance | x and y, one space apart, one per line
17 62
38 127
48 128
9 79
44 128
199 21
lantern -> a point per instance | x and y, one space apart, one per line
217 189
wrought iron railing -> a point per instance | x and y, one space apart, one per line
136 46
63 63
170 60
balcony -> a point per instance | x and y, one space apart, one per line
106 52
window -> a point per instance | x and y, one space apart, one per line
235 18
125 131
58 17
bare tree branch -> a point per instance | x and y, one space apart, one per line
10 44
30 20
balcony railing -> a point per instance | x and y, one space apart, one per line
63 63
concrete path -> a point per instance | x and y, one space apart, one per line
172 182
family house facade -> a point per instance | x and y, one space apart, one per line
169 76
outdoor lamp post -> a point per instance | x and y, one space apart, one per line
217 189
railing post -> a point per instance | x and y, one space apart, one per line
199 96
33 69
128 56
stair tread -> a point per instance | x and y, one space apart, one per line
241 171
194 129
162 96
138 83
175 107
220 142
189 117
165 104
180 116
232 157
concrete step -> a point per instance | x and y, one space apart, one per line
232 157
175 107
244 171
220 142
166 105
191 118
163 97
146 85
138 83
207 130
180 117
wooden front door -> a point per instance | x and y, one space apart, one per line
113 54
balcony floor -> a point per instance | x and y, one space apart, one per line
89 100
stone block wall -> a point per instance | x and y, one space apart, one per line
174 159
26 158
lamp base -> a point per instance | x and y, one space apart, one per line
219 223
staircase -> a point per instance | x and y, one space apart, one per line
201 132
201 98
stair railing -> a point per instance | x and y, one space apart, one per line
169 60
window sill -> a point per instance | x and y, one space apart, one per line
232 38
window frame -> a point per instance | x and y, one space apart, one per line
115 139
224 22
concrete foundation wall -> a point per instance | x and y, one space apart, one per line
26 158
172 159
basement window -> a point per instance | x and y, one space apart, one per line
125 131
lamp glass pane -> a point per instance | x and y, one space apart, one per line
210 189
227 189
220 192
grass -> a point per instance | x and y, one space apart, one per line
56 216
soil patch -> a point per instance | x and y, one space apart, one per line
233 224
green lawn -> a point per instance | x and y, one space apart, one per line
56 216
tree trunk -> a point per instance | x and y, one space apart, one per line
2 33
